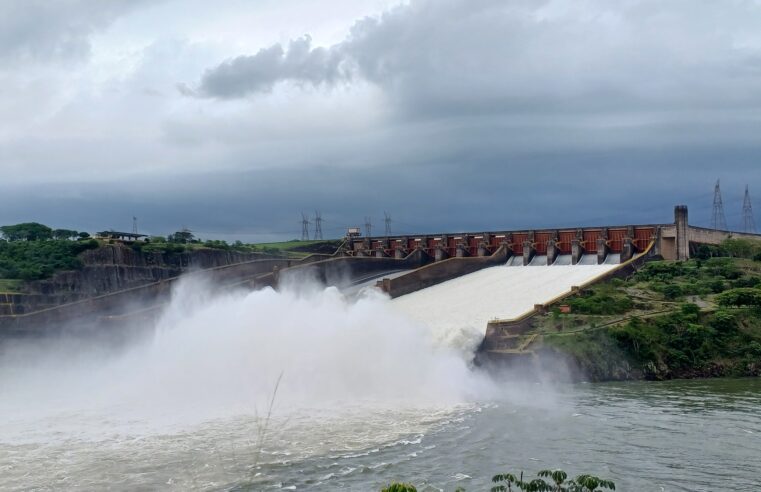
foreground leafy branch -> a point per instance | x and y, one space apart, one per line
547 481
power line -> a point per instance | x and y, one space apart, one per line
749 223
304 227
317 225
387 221
368 227
718 219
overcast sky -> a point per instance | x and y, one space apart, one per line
233 117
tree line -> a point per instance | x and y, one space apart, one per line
34 231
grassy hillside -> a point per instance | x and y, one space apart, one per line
670 320
297 248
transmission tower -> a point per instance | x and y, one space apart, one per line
368 227
749 223
718 220
317 225
134 224
304 227
387 220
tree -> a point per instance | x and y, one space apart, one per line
62 234
582 483
741 248
83 235
27 231
741 297
182 236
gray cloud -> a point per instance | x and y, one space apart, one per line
450 114
465 56
300 63
41 30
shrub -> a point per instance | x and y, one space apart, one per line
740 297
672 292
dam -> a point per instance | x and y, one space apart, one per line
493 280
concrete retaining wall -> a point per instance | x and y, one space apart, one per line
441 271
124 300
253 274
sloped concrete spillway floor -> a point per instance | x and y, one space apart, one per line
504 292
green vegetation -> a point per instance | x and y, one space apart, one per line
696 318
37 259
33 251
603 300
297 248
546 481
10 285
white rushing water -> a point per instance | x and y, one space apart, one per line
459 309
184 407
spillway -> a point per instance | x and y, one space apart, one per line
501 292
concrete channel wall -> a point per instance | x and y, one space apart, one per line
439 272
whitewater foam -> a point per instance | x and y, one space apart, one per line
215 357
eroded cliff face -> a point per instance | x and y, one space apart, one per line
116 267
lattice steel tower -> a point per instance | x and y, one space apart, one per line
387 221
368 227
134 222
718 220
749 223
304 227
317 225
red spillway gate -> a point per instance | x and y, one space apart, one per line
518 240
643 236
590 240
565 240
616 240
540 242
452 245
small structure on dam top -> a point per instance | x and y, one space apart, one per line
670 241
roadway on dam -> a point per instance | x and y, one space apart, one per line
501 292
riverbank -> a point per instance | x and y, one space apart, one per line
671 320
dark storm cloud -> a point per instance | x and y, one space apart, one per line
465 56
260 72
449 114
60 30
505 191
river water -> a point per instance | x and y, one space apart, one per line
306 391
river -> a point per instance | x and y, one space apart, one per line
299 391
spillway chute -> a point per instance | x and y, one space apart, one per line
515 261
538 260
563 260
499 292
587 260
613 259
